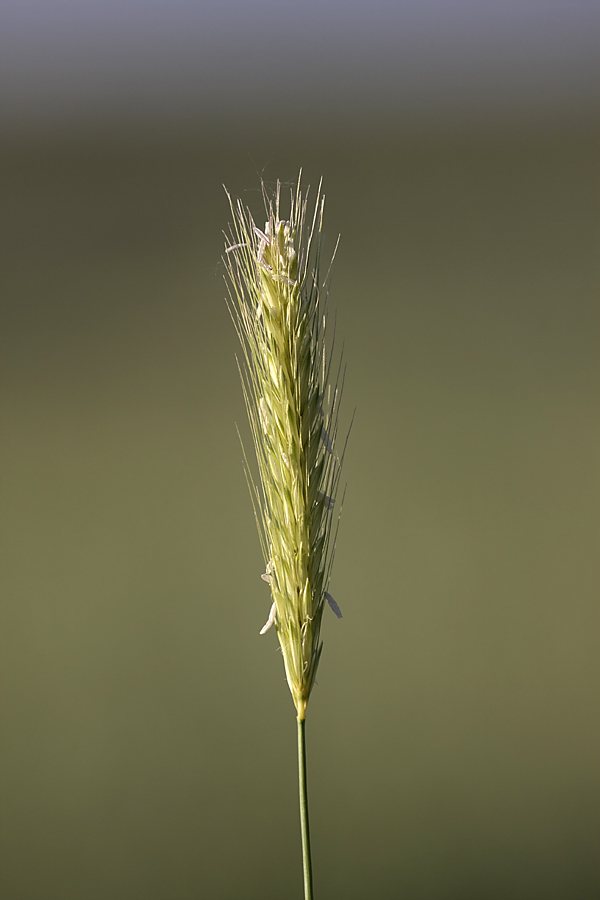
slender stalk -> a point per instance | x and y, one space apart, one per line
306 861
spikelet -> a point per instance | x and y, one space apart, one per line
279 307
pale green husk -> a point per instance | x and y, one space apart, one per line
278 304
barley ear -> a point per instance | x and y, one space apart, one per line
278 303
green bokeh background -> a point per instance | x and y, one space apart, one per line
148 733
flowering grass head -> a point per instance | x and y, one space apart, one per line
279 306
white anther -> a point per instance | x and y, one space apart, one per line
326 439
328 502
270 620
269 573
262 236
333 605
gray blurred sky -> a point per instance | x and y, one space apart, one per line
65 59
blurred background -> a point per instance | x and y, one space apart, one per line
148 735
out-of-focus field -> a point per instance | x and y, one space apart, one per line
148 736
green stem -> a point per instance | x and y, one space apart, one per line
308 889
